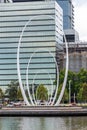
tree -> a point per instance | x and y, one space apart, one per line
42 93
65 96
19 94
84 92
12 90
1 93
78 84
79 95
82 76
71 76
81 83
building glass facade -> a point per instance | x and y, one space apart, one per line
68 13
40 38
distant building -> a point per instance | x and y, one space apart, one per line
68 20
68 13
77 56
71 35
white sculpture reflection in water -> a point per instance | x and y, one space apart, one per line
33 102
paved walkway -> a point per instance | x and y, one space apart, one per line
43 111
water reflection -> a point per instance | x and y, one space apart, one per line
76 123
43 123
10 123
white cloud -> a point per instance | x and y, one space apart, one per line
81 19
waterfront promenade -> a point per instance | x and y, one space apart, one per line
43 111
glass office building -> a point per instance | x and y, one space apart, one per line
68 20
68 13
40 41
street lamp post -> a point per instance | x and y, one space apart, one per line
69 91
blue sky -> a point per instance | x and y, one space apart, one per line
81 18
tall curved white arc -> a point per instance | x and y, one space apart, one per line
34 80
66 74
28 70
19 74
18 63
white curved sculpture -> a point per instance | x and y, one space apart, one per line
35 100
28 70
19 74
66 74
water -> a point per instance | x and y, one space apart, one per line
43 123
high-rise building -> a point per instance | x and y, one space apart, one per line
40 40
68 20
68 13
